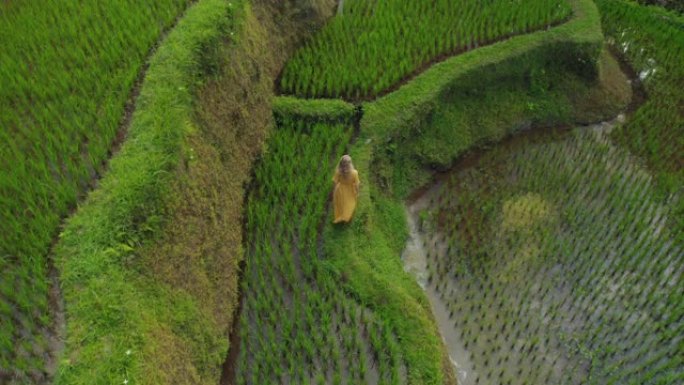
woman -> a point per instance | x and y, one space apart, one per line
346 190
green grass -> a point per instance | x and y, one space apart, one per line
555 250
123 323
312 109
320 308
653 42
574 46
374 45
66 72
201 243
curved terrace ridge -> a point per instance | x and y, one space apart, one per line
370 269
373 48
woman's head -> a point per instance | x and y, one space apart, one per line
345 165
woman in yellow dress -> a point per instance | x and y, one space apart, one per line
346 190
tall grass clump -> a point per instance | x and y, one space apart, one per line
375 44
66 71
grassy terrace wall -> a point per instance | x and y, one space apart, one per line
114 309
67 70
312 109
149 262
485 94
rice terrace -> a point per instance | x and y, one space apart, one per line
333 192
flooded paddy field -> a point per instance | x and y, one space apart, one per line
550 259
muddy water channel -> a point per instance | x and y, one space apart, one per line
549 260
415 262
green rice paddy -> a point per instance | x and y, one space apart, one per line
554 256
557 265
653 41
66 72
297 325
373 45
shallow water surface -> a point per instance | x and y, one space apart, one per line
415 262
535 256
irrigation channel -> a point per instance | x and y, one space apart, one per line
548 259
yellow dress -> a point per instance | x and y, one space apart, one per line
344 195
